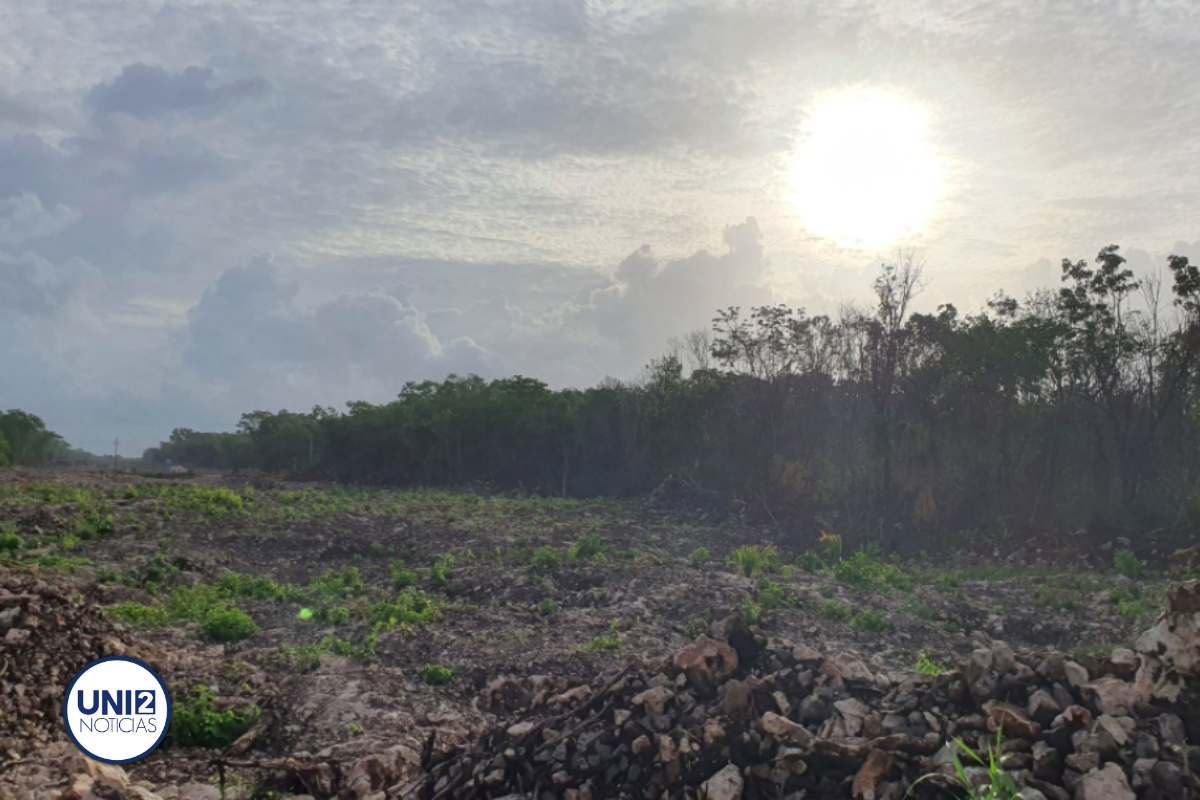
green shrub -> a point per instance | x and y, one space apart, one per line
772 596
869 620
612 641
403 578
9 540
544 561
835 611
228 625
233 584
442 570
195 722
591 548
1128 564
435 675
927 667
547 607
753 561
810 561
864 571
381 551
700 556
412 607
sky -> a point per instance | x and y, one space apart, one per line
208 208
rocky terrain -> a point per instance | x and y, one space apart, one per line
331 642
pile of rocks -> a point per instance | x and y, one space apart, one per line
741 716
46 637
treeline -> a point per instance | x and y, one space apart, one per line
25 441
1067 408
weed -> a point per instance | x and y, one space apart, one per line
442 570
591 548
866 572
547 607
401 577
830 546
920 611
753 561
927 667
412 607
10 541
810 561
380 551
700 556
195 722
771 596
354 729
1000 785
835 611
869 620
228 625
611 641
544 561
435 675
1128 564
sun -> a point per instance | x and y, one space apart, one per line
864 175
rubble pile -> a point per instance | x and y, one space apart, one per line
46 637
753 718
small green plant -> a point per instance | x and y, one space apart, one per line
381 551
10 541
866 572
403 578
772 596
810 561
441 570
354 729
830 546
195 722
611 641
228 625
869 620
752 612
1128 564
544 561
547 607
754 561
700 556
927 667
590 548
435 675
1000 785
835 611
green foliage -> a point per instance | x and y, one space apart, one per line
381 551
866 572
228 625
195 722
545 561
91 524
441 570
403 578
1128 564
772 596
9 540
435 675
411 607
591 548
835 611
700 556
1056 596
810 561
999 786
608 642
869 620
927 667
547 607
754 561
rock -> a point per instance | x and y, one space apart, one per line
706 663
667 751
725 785
781 702
787 731
1077 674
713 733
655 700
640 745
806 655
1124 663
1107 783
199 791
852 669
1010 719
814 708
736 700
1003 659
93 778
1043 707
870 774
1168 778
1113 696
1169 675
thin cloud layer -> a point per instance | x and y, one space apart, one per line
526 186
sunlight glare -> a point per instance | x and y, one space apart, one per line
864 174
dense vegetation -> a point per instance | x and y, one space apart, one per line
24 441
1070 407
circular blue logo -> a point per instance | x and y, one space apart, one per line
117 710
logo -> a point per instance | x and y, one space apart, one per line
117 710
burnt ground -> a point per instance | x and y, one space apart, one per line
516 586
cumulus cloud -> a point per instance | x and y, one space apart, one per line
23 217
144 91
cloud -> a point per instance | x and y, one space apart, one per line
23 217
146 91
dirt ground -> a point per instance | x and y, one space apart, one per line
514 587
